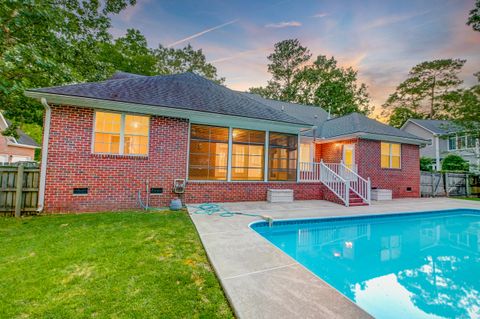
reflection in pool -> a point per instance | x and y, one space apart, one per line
423 265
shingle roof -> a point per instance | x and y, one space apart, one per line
437 126
313 115
186 91
359 123
23 138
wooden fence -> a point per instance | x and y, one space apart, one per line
19 189
433 184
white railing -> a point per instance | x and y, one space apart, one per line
358 184
335 183
309 172
338 178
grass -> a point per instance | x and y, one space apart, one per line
469 198
109 265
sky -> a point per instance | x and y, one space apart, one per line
382 40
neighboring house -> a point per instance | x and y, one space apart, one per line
107 143
446 138
15 149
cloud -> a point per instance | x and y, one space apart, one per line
283 24
320 15
235 56
130 11
196 35
392 19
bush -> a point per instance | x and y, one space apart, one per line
426 164
454 163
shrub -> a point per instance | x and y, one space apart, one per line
455 163
426 164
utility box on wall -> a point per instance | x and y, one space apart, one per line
280 195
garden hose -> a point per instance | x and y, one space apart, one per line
211 209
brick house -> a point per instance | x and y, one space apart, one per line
12 150
109 143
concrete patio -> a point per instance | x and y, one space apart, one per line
260 281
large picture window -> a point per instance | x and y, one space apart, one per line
208 152
391 155
282 157
118 133
248 149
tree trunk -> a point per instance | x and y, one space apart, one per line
432 100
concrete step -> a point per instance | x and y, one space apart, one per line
358 204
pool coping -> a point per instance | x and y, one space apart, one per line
323 300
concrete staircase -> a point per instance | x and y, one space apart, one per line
355 200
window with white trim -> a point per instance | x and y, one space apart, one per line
391 155
120 133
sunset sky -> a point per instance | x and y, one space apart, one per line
380 39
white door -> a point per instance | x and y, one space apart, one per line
349 156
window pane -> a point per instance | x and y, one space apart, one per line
452 143
107 122
107 143
135 145
461 142
385 161
395 162
136 125
395 149
385 148
470 141
282 156
208 153
247 154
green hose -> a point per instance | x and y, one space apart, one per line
211 209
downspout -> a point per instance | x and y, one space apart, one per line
43 165
437 153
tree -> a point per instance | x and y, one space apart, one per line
426 164
285 62
129 54
466 111
400 115
322 83
426 87
454 163
334 88
45 43
171 61
474 17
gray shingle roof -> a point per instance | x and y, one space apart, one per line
186 91
359 123
313 115
23 138
437 126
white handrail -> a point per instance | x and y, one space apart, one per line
335 183
309 172
358 184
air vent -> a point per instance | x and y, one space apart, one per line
156 190
409 189
80 191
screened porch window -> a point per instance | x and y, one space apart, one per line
208 152
282 157
248 149
119 133
391 157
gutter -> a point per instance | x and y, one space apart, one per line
43 165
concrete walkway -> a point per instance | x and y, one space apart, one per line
260 281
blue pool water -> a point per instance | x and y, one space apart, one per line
421 265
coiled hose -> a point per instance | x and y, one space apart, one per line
211 209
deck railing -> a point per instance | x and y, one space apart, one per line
338 177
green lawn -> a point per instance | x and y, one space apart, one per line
469 198
109 265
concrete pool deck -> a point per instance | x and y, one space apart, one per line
261 281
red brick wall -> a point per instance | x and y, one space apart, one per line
201 192
368 159
114 181
331 152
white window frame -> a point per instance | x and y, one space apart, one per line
122 133
390 155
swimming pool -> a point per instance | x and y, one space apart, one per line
412 265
